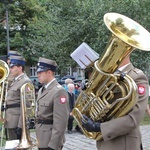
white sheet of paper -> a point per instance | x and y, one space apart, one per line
84 55
11 144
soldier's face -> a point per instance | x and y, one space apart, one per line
15 71
43 76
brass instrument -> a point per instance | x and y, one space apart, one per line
4 72
98 100
28 112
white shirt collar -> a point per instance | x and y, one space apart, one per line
18 76
49 83
121 68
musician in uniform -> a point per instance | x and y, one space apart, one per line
123 133
52 108
13 115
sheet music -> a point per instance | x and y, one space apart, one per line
84 55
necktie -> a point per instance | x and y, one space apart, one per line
43 89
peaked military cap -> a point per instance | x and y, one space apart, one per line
17 60
13 53
45 64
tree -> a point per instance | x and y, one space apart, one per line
54 28
76 21
23 23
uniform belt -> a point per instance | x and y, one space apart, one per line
13 105
40 121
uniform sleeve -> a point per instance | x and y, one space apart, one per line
60 118
124 125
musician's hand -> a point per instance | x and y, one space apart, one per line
90 125
84 84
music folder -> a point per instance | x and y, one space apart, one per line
84 55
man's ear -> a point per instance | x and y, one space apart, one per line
49 72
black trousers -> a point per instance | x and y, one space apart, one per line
70 123
12 134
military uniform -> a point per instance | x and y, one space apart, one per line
13 113
123 133
52 111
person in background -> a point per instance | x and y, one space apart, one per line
71 96
124 132
67 81
77 90
70 81
52 110
13 113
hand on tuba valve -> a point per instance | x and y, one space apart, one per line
84 84
90 125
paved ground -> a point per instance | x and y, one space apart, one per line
78 141
146 137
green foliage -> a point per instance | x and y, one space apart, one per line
54 28
23 16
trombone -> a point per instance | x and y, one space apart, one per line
28 113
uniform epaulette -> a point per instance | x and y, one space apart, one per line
59 86
26 77
138 71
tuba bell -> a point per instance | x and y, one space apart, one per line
4 72
97 100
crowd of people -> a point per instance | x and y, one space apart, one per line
54 105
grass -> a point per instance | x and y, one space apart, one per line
146 120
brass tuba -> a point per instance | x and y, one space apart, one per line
28 113
97 101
